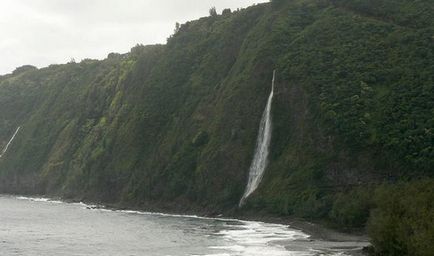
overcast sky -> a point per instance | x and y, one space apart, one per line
43 32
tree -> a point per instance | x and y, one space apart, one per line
213 12
23 69
177 27
226 11
277 3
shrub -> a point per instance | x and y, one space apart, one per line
352 209
403 223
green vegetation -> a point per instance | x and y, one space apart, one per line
175 125
403 222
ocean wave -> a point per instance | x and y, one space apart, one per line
39 199
258 238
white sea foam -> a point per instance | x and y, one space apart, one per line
257 238
39 199
87 206
170 215
102 208
214 254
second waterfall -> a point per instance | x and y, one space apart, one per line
260 159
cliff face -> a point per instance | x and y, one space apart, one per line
354 107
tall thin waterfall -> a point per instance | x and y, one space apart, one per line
260 159
10 141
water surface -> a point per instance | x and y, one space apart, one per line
38 226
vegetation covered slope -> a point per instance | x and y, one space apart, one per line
176 124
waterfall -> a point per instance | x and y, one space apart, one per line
9 143
260 159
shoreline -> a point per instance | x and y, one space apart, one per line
319 235
354 244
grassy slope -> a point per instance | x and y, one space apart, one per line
354 108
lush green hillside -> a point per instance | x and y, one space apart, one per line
175 125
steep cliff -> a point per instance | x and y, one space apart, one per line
176 124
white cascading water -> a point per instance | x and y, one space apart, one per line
260 159
9 143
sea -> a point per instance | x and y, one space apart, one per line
44 227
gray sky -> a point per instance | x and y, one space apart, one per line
43 32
